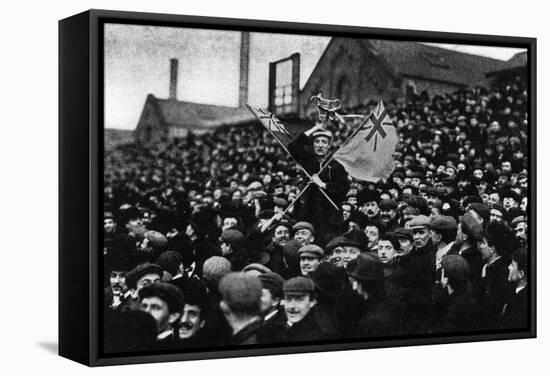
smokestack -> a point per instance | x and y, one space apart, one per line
174 79
243 80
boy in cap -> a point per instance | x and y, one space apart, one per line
299 299
405 237
164 302
241 300
272 294
304 233
310 256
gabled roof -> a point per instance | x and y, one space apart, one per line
198 115
517 61
418 60
433 63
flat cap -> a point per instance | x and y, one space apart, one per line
342 241
311 250
518 219
164 291
241 292
498 207
471 226
419 221
139 271
232 236
403 233
272 282
256 267
214 268
304 225
298 285
443 222
322 133
482 210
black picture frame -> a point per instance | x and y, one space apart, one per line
80 180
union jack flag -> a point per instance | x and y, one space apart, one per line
272 124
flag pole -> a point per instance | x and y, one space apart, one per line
295 161
297 197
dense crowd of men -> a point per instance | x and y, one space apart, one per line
201 249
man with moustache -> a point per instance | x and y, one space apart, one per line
193 315
388 214
299 299
414 277
367 203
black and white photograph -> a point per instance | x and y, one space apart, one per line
265 189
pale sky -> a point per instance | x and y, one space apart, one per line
137 63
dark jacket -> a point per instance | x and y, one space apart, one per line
377 319
460 314
495 291
514 313
413 281
248 335
316 208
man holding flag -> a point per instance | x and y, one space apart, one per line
311 149
366 155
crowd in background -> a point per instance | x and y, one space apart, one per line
202 250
